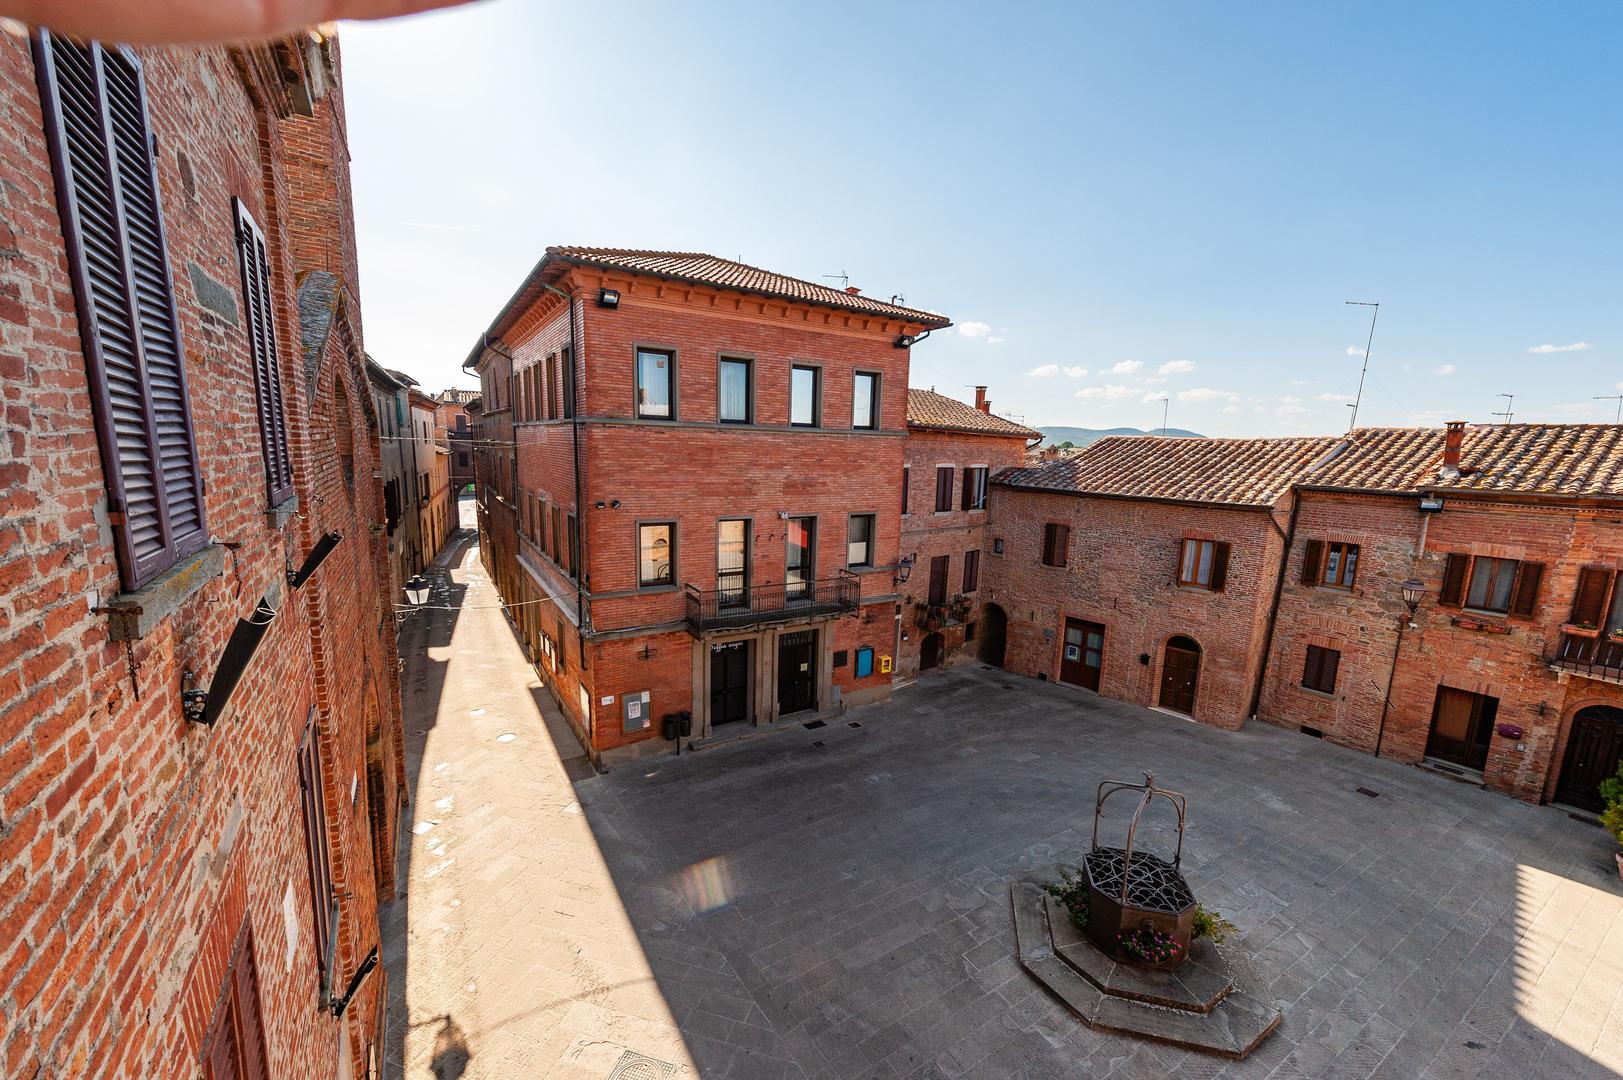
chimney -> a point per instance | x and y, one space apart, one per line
1453 437
980 400
853 290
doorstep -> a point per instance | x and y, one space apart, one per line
1458 773
746 732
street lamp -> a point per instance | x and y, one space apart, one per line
1412 592
417 591
904 569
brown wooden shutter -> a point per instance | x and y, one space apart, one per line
943 487
107 191
1313 562
1312 667
1048 545
1062 545
261 324
1220 565
245 977
907 476
1524 597
966 497
1330 666
318 853
1589 601
1453 593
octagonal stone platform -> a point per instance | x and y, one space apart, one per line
1198 1007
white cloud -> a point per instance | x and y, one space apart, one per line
1109 393
1077 372
1290 410
1206 393
974 329
1576 346
1176 367
1126 367
1230 410
1445 369
1354 350
1045 371
1577 408
995 339
1153 399
1332 397
1153 380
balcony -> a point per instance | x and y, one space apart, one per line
757 605
1599 657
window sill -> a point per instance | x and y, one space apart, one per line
1320 694
279 515
132 616
649 590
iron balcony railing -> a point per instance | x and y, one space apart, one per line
725 609
1599 657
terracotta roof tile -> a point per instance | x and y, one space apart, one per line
928 409
1554 459
702 269
1239 472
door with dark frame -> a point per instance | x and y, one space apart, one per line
1180 674
1461 725
797 672
729 682
1594 748
1083 654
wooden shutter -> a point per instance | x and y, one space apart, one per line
972 571
1313 667
1330 666
940 566
94 104
1313 562
1220 565
318 853
1524 596
245 979
907 477
1453 593
1589 601
943 487
258 305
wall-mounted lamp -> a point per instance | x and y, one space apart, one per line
1412 592
904 569
1431 506
608 298
417 591
905 341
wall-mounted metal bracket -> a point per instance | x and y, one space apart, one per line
317 556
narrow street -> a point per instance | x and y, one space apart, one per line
508 952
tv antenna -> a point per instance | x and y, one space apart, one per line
1375 312
843 278
1613 397
1166 403
1510 405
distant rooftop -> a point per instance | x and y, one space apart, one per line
458 397
938 412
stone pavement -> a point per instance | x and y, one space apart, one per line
774 907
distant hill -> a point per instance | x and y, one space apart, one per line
1082 436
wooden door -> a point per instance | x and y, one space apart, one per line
1180 673
1593 750
729 682
797 671
1461 725
1083 654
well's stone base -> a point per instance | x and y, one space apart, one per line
1197 1007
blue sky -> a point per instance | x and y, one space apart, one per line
1175 199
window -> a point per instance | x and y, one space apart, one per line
1204 564
940 566
997 545
656 554
859 541
566 371
317 853
907 483
1498 586
943 489
805 396
94 100
865 401
1332 564
234 1048
1319 672
461 422
552 387
1056 543
574 546
734 392
975 488
972 571
656 384
558 535
1589 600
541 525
799 558
732 562
462 459
257 304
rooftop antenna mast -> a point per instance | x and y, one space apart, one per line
1613 397
842 276
1374 313
1510 405
1166 403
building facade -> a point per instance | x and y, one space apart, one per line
952 451
391 399
431 463
704 487
453 430
200 762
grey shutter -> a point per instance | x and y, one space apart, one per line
96 123
261 325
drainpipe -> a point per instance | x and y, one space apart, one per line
1279 588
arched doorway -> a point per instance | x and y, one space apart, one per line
994 634
930 650
1180 671
1593 750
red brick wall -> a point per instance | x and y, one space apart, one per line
1122 573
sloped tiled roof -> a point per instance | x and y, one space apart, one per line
1553 459
458 397
1238 472
702 269
938 412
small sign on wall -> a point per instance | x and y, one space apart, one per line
884 665
636 711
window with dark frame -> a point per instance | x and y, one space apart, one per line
552 386
558 536
865 401
566 364
732 562
805 396
733 391
940 567
1320 668
1332 564
799 558
656 554
258 303
1056 542
656 384
975 488
574 546
907 482
317 851
859 532
1203 564
972 571
943 488
94 102
1491 585
997 545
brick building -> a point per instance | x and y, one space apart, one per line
704 488
493 470
190 873
453 431
435 513
951 452
1143 567
391 400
